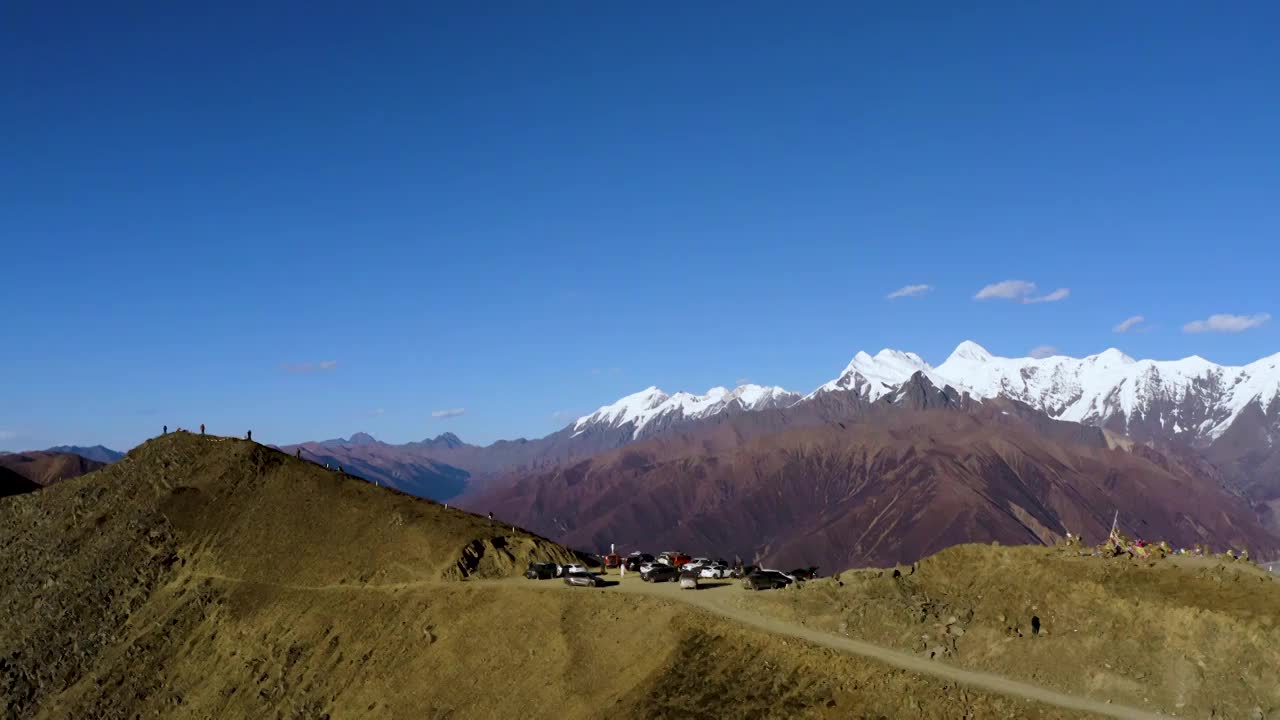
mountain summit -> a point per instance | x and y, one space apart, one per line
970 351
641 411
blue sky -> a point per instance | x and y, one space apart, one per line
310 220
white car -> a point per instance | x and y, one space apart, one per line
714 571
573 568
697 563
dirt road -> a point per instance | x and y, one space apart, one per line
717 597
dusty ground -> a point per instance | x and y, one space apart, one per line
1192 638
211 578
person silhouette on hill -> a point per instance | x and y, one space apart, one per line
166 429
201 428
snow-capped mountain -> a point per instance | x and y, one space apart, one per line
1191 397
643 410
874 377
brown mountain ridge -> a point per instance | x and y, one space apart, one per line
894 486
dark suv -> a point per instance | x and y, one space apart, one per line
765 580
635 560
540 571
660 573
809 573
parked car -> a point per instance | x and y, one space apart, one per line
646 567
583 579
574 568
635 561
714 571
612 560
688 580
541 571
766 580
660 573
698 563
745 570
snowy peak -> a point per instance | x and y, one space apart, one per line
758 397
641 409
1190 398
633 407
1110 357
876 376
1143 397
969 351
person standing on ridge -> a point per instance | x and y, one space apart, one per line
249 435
166 429
201 428
298 453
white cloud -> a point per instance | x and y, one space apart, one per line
909 291
1006 290
743 381
1055 296
1020 291
377 413
303 368
1043 351
451 412
1129 324
1227 323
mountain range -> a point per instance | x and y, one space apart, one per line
1190 401
97 453
1184 449
1207 431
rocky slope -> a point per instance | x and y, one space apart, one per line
905 480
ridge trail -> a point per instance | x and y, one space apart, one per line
716 599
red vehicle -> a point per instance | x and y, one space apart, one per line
612 560
674 559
